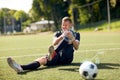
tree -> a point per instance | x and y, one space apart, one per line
50 9
20 15
4 14
1 20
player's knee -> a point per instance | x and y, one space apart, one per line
42 60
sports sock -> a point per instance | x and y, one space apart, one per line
53 55
32 66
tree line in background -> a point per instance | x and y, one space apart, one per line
81 11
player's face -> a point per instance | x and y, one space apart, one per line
66 25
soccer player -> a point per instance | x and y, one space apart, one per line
61 52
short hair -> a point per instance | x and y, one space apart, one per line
67 19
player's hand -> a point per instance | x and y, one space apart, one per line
64 34
69 34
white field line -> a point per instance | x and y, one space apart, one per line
3 57
29 48
99 44
13 49
98 49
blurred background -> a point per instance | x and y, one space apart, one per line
46 15
98 22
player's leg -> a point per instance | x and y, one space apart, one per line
50 59
20 68
67 55
53 52
40 61
61 46
31 66
45 60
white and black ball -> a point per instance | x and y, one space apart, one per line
88 70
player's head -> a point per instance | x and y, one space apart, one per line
66 23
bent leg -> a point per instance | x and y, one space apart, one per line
53 52
45 61
62 45
67 55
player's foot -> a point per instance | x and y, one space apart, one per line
51 53
14 65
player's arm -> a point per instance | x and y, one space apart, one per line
75 42
57 40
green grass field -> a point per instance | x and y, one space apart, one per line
26 48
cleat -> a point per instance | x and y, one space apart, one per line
14 65
51 53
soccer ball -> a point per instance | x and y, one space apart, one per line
88 70
73 33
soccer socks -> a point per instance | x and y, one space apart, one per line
32 66
53 55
